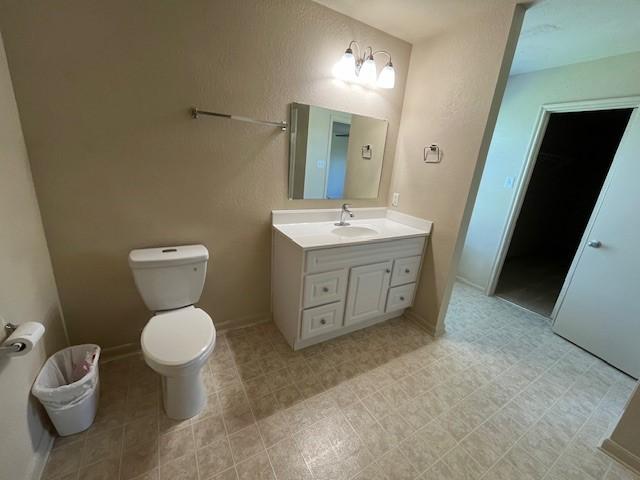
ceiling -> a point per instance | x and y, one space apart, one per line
410 20
561 32
555 32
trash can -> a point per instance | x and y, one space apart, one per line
68 387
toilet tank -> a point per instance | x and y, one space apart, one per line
169 277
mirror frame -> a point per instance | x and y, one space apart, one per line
293 127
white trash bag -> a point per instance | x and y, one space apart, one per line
68 386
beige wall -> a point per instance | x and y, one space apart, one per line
624 441
450 101
103 89
362 175
27 293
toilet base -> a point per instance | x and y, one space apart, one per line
183 396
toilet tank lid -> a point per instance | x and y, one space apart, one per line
168 256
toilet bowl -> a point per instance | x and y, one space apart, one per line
176 344
177 341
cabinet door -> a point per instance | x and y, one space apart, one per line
368 286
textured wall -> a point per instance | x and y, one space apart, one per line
362 174
27 293
525 94
453 79
103 89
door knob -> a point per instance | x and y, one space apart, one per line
388 271
325 289
594 243
406 270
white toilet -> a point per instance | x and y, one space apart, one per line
179 338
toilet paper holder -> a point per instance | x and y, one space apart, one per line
9 328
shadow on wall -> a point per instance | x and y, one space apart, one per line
28 407
428 295
103 291
37 418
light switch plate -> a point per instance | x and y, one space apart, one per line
508 182
396 199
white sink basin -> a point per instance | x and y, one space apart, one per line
317 228
354 231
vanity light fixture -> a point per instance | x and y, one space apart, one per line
362 68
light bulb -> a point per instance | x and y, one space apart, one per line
345 68
387 78
368 71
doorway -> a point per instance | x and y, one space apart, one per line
572 163
338 148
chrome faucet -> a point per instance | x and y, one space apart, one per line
346 208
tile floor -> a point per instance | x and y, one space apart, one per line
498 397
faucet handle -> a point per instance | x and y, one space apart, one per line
347 208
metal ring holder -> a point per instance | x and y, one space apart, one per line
9 328
432 154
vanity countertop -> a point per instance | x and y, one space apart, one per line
316 228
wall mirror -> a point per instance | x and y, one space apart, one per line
334 155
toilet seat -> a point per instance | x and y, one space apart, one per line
178 339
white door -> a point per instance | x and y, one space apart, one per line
600 310
368 286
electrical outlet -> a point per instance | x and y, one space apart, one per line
396 199
3 332
508 182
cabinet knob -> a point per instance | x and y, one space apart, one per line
325 289
402 299
388 271
406 270
322 321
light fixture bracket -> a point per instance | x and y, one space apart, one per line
364 54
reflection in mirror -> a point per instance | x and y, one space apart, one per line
334 155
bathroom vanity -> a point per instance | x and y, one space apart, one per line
328 280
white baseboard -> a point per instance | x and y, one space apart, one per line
470 283
422 322
128 349
243 322
120 351
41 455
621 454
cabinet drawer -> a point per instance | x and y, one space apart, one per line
322 288
400 297
405 270
319 320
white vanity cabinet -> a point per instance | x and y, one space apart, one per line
321 293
